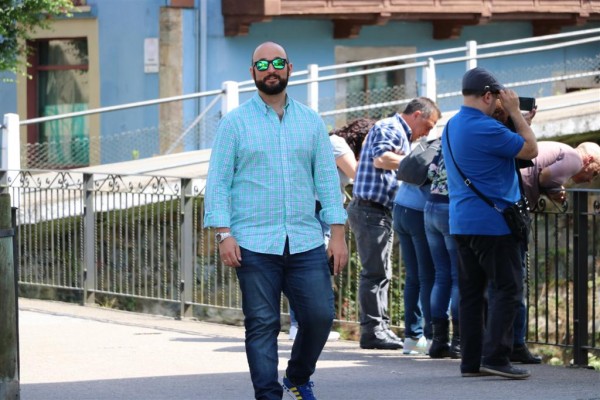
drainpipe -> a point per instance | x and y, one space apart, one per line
201 79
203 21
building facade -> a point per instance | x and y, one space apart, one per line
113 52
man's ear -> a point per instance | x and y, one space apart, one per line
416 114
489 98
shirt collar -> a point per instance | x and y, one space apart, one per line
261 103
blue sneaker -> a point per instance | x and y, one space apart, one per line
300 392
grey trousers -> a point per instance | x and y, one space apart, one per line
372 229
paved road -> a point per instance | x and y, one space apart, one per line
74 352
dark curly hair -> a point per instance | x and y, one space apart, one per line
354 133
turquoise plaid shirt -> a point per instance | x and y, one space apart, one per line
265 174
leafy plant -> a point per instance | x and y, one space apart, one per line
18 19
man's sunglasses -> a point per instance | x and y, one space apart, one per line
263 65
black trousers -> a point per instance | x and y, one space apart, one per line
488 263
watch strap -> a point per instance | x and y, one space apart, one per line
220 236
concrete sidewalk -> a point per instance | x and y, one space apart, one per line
74 352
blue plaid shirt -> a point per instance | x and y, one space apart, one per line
376 184
265 174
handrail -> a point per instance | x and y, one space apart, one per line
428 54
520 51
192 125
424 63
539 38
121 107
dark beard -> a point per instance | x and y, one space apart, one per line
271 90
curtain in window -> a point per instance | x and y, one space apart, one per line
63 88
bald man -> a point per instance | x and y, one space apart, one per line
270 157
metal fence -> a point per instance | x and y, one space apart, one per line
371 88
138 240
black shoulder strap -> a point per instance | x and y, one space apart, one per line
520 178
466 180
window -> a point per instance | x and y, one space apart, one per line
381 87
59 85
373 89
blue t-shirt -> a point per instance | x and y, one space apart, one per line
485 150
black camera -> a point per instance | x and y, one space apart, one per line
526 103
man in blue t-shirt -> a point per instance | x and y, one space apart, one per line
484 150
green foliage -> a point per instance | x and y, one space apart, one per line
594 362
18 19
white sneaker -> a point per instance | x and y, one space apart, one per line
293 332
414 346
333 336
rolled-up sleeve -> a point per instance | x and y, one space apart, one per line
220 177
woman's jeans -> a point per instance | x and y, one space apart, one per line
306 281
444 252
420 273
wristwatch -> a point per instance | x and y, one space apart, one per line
220 236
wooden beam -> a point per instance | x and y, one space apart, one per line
350 28
551 26
345 29
240 25
451 29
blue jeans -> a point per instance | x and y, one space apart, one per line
372 229
444 252
326 236
520 325
409 224
305 280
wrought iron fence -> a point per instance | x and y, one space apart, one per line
140 239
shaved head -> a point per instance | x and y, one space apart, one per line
268 48
270 81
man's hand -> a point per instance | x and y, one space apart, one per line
230 252
338 248
510 102
530 115
558 195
